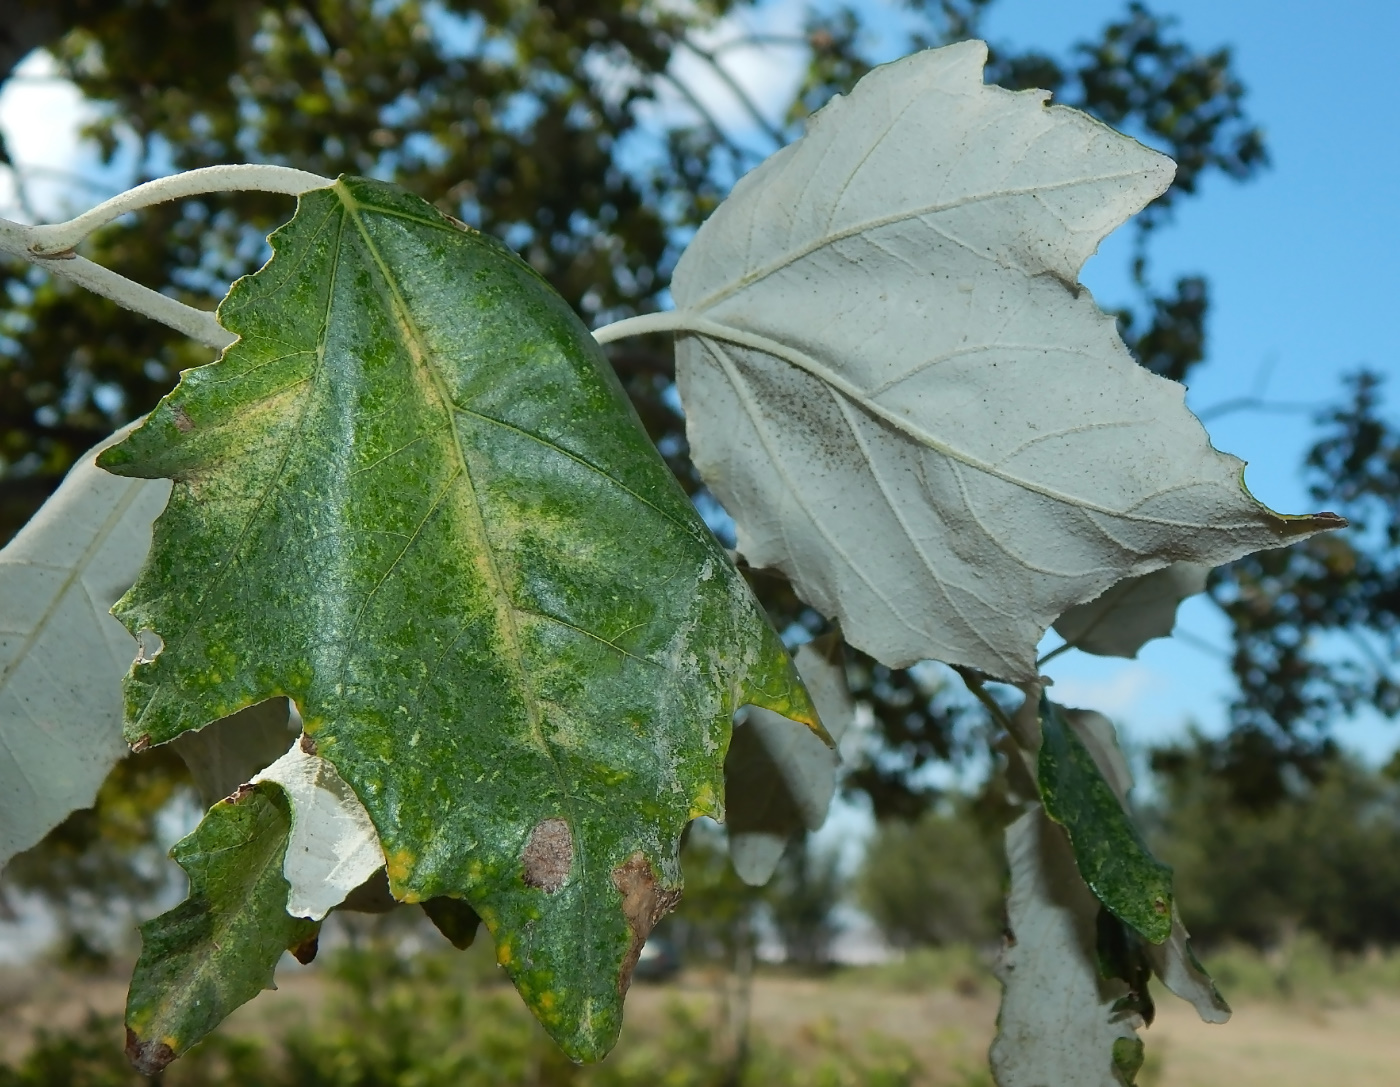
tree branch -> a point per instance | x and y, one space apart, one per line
51 247
742 95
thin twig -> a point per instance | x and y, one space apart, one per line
738 91
976 684
1254 403
706 117
1055 653
48 241
51 247
1195 641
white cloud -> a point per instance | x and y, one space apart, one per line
1119 695
41 115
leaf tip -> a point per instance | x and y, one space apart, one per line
149 1057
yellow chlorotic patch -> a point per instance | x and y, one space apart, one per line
705 803
503 953
400 866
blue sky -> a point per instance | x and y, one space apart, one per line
1301 261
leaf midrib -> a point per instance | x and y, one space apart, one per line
418 351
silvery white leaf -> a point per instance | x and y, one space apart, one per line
1133 612
1058 1026
779 777
62 655
223 755
333 846
894 383
1176 964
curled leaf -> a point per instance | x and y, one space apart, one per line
779 777
1133 612
1063 1023
1109 851
333 847
895 384
1172 960
219 948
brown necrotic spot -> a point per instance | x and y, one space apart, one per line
644 902
183 423
308 745
305 951
548 855
147 1057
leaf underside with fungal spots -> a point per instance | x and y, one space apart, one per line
414 498
1110 854
895 384
1063 1022
217 949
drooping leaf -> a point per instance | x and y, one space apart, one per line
1109 851
895 384
1172 961
226 754
414 498
217 949
1062 1022
62 655
778 776
1133 612
1176 964
333 846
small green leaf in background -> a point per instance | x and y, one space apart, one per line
414 498
1110 853
217 949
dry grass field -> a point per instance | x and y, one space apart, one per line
1271 1042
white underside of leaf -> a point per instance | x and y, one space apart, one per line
1172 961
894 385
62 655
1133 612
798 771
333 846
1057 1025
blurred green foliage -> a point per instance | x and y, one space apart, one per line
441 1020
934 882
1323 860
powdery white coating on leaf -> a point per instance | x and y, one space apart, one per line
1172 961
780 776
62 656
1057 1026
1133 612
333 846
893 382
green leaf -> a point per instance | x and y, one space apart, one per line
217 949
1110 853
414 498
